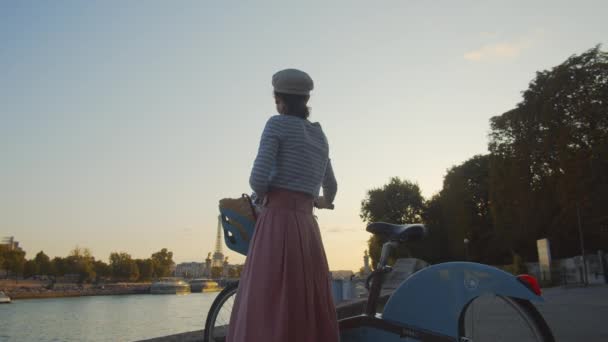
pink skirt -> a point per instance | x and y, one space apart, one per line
285 289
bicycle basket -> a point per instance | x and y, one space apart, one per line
238 221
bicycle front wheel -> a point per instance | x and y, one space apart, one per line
218 318
497 318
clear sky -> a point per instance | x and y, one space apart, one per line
122 123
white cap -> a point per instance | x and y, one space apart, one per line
292 81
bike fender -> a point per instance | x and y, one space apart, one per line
434 297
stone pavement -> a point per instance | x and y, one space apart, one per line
574 314
577 314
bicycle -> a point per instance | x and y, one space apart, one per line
435 304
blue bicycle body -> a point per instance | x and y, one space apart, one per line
427 305
433 299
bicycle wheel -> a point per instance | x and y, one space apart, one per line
497 318
218 318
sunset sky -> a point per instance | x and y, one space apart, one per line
123 123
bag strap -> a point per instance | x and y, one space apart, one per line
255 215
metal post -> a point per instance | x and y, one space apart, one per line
377 278
580 236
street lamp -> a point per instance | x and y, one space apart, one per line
466 249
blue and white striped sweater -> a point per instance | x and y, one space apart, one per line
293 155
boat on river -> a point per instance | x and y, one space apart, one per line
4 299
204 285
170 285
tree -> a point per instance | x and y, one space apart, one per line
102 270
146 269
43 263
434 248
398 202
80 262
548 159
465 206
123 267
162 260
14 261
59 266
30 269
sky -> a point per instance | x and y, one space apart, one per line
122 124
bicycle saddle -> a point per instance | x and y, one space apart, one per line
399 232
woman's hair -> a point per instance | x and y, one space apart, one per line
296 104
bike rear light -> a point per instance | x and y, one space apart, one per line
530 282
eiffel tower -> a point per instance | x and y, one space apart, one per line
218 256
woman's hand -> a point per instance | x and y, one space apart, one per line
321 203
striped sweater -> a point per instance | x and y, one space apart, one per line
293 155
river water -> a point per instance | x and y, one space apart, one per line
103 318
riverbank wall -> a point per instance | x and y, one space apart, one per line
30 290
345 309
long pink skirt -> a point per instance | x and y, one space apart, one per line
285 288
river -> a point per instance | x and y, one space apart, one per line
103 318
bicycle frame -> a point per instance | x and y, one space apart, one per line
426 307
377 278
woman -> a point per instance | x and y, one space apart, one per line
285 288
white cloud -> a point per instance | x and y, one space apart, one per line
503 50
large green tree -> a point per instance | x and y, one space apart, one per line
435 248
43 263
123 267
30 269
146 269
162 260
59 266
399 202
102 270
549 159
465 209
80 261
13 261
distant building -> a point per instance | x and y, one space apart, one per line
217 260
11 243
232 271
189 270
207 267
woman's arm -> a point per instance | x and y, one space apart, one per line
330 186
265 160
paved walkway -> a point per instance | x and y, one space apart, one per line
574 314
577 314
